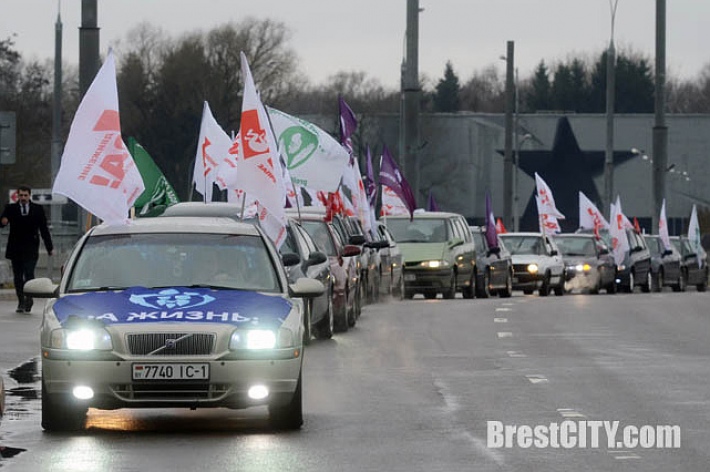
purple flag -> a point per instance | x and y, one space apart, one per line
431 203
348 123
491 232
393 178
369 181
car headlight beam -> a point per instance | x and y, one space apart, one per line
434 264
532 268
260 339
81 339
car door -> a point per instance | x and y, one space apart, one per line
319 271
465 254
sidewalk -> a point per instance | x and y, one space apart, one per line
7 294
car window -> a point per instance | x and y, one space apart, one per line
519 245
576 246
479 240
172 260
420 230
318 230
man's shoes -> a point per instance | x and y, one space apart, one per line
20 309
28 305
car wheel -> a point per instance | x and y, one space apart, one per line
527 292
597 285
632 283
400 289
342 316
430 294
703 286
451 291
648 285
307 322
408 294
59 415
544 289
658 281
483 289
560 289
469 291
612 288
507 291
325 327
681 285
289 416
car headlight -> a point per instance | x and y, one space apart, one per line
81 339
621 267
434 264
582 267
532 268
261 339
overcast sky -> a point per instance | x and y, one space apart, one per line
329 36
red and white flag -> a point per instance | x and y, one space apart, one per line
259 168
212 149
96 170
617 232
589 215
392 205
663 227
546 209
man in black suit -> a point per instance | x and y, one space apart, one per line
27 223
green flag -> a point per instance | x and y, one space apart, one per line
158 193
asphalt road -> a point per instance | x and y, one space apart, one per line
413 388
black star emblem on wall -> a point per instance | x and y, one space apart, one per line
567 170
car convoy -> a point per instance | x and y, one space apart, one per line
197 308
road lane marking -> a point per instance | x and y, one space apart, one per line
505 334
500 320
537 378
570 413
516 354
503 309
622 455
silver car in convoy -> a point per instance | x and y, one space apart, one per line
189 312
537 263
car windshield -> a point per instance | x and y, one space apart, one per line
174 260
575 246
654 245
318 231
419 230
519 245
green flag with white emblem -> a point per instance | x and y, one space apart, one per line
158 193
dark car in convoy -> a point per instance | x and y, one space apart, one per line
588 263
391 264
494 266
439 255
343 268
694 266
537 263
666 267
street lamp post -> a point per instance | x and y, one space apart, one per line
610 88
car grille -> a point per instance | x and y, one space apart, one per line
171 344
520 268
156 391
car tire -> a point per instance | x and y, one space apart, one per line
527 292
681 285
288 417
325 327
400 289
450 292
59 414
483 289
430 294
507 291
658 281
342 317
469 291
632 283
648 285
544 289
409 294
560 289
703 286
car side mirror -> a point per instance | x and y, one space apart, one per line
290 259
357 239
317 257
553 252
603 251
377 244
455 242
350 250
667 252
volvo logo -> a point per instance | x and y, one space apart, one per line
170 343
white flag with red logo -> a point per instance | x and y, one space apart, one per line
212 149
589 215
617 232
548 221
547 202
259 169
96 170
391 203
663 228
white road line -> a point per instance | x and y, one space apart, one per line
505 334
621 455
570 413
503 309
537 378
516 354
500 320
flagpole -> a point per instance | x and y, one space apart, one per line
244 201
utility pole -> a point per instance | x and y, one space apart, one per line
409 119
610 98
660 130
88 67
508 157
56 210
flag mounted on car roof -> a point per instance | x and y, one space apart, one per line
393 178
158 193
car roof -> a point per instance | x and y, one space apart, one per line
179 224
425 215
204 209
524 233
575 235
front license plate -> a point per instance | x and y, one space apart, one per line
199 371
410 277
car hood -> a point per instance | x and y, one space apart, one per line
529 259
574 260
412 252
178 304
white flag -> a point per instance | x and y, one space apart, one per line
694 238
663 228
96 170
547 201
617 232
548 221
259 168
212 148
352 179
391 203
313 157
589 215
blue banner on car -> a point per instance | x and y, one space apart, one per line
177 304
